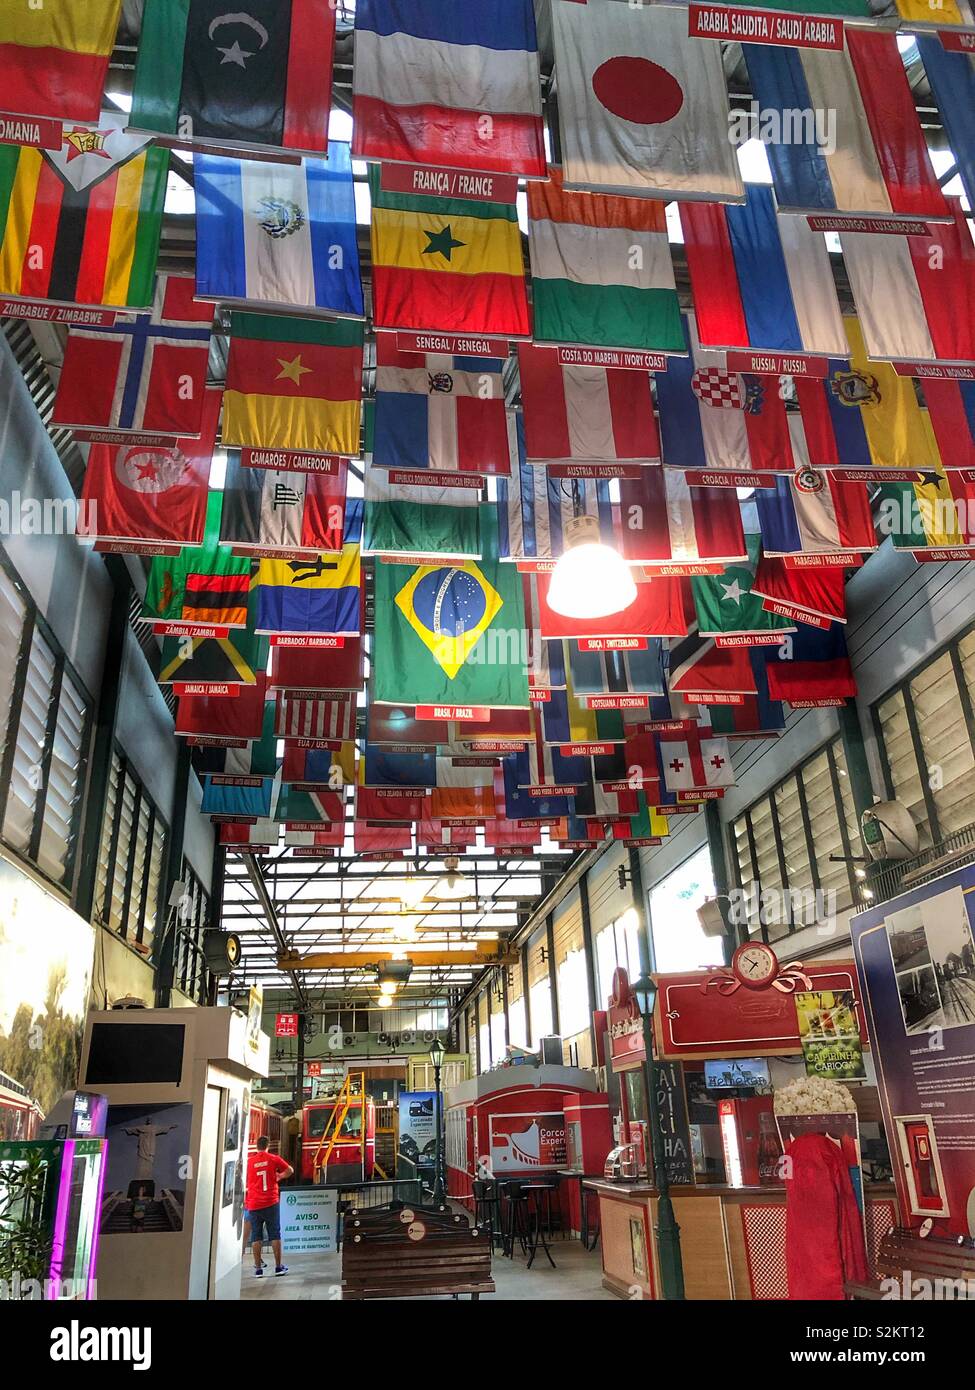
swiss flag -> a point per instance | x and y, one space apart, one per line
694 762
657 611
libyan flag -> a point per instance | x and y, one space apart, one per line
452 634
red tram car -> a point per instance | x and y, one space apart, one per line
20 1115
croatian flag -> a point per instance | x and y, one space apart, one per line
868 156
533 509
449 84
691 762
759 279
952 78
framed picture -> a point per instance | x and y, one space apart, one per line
229 1174
231 1132
638 1247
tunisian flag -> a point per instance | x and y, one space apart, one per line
157 496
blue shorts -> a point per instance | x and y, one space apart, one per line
266 1223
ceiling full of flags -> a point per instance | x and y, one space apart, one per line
354 310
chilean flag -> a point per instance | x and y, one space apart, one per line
691 762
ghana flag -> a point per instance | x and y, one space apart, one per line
448 265
81 225
204 584
452 634
293 384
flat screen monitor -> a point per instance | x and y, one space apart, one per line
732 1073
133 1054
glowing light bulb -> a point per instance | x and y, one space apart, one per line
590 580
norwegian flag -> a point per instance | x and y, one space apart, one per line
691 762
311 717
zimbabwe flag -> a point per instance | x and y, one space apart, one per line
54 56
81 225
293 384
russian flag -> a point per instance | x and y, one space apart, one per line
449 84
759 279
875 162
952 79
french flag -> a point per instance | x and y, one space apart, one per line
760 280
448 83
876 164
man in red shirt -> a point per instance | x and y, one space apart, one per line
264 1172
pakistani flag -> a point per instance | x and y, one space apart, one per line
403 519
452 634
725 603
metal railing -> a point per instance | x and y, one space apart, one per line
885 881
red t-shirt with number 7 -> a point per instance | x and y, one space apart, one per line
263 1170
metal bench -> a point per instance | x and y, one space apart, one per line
404 1250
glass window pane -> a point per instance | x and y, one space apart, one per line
13 614
29 752
59 829
107 837
124 830
905 775
945 742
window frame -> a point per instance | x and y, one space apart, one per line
103 914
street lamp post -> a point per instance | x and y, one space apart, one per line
437 1054
667 1230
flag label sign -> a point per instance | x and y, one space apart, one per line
313 852
39 132
303 827
541 697
452 344
320 643
641 840
316 745
181 689
957 42
398 793
543 793
228 780
734 24
429 478
500 745
957 552
449 183
938 371
825 703
628 358
291 461
535 566
837 559
749 639
630 471
696 478
690 798
613 644
884 226
215 741
684 571
531 824
233 820
105 547
44 312
148 441
798 615
469 713
616 701
778 364
876 475
218 634
587 750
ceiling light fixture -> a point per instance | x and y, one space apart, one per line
590 580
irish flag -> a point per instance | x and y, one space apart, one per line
601 270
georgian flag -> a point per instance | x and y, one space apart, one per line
693 763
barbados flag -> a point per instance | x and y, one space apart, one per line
320 595
452 634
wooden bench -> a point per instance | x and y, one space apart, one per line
948 1269
404 1250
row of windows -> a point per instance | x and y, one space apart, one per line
433 1019
131 858
193 919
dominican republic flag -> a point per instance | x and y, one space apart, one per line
279 235
811 513
340 668
533 508
229 798
657 611
814 671
453 85
439 412
381 839
297 717
703 673
809 595
877 162
144 376
266 511
951 74
692 762
665 522
617 673
914 294
264 834
951 409
387 768
585 414
717 420
760 279
643 107
220 716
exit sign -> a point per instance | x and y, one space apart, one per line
286 1026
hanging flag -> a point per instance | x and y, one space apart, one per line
81 225
219 662
809 595
757 716
951 74
590 414
266 510
320 595
691 761
207 584
156 495
638 672
451 634
389 768
519 803
547 768
642 106
293 384
546 659
864 415
257 758
566 719
951 411
813 513
325 837
146 376
813 670
716 420
382 839
54 56
397 726
245 797
657 611
602 274
726 606
848 135
464 789
534 508
263 834
703 673
329 768
913 294
447 265
456 86
936 513
437 834
760 279
278 234
435 522
259 76
950 12
502 833
321 720
298 807
438 412
217 716
663 522
338 664
389 803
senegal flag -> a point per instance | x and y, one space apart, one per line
452 634
54 55
449 265
81 225
205 584
293 384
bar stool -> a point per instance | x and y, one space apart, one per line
516 1221
487 1209
590 1233
541 1220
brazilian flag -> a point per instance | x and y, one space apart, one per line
452 634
